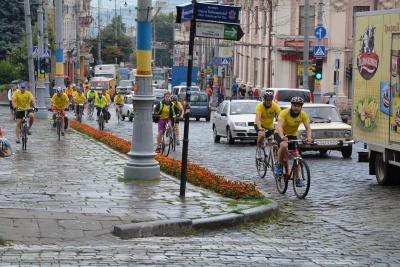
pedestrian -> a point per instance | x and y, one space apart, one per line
9 95
256 94
5 146
221 94
242 91
250 92
209 92
234 90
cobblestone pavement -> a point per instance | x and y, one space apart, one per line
346 219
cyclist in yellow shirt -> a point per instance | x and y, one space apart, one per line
79 98
101 104
119 103
59 101
289 121
174 99
22 99
107 96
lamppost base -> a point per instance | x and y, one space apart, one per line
141 169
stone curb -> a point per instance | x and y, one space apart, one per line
179 226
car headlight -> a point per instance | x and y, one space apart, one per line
347 133
303 135
241 124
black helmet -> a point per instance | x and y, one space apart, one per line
268 95
297 100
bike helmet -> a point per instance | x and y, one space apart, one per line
23 85
268 95
59 90
100 92
174 98
79 91
297 100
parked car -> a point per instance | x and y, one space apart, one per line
234 120
328 130
127 108
125 87
283 96
200 106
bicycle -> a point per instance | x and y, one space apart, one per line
24 127
80 112
58 123
298 171
268 158
91 108
119 114
102 118
173 137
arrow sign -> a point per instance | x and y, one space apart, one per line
219 31
320 32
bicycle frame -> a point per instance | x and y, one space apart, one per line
24 128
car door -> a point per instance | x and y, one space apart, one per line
224 117
217 118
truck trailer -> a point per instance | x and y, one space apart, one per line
376 96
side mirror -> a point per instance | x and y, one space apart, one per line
345 119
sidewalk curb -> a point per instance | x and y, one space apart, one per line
179 226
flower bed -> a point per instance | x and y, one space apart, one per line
195 174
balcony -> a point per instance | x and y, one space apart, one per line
85 21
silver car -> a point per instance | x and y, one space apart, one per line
125 87
234 120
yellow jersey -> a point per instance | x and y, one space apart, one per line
100 102
267 114
119 100
60 102
79 99
22 100
290 124
69 91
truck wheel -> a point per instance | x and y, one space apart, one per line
382 171
346 151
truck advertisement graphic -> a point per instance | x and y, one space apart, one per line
376 99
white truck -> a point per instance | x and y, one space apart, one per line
107 71
376 99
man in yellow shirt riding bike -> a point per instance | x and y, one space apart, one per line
59 101
119 103
90 96
79 98
101 104
174 99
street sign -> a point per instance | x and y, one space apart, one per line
47 53
320 32
184 12
215 61
319 51
218 12
219 30
225 61
34 51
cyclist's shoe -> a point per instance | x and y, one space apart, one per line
278 169
62 133
29 132
54 124
18 141
299 183
258 154
158 149
178 143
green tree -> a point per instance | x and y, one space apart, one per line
164 24
110 52
7 72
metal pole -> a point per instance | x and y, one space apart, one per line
306 51
29 46
187 108
59 44
98 37
317 89
141 164
42 113
47 93
78 47
116 29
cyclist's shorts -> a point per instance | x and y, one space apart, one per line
62 113
290 137
119 105
162 122
21 114
90 100
268 133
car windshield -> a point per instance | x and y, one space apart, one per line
322 114
243 108
125 83
98 85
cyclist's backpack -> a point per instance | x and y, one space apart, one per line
66 122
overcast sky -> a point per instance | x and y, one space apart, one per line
110 5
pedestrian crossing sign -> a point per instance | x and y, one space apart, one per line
319 51
225 61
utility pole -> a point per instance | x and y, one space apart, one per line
116 29
78 47
141 164
47 92
317 90
306 51
29 46
59 44
98 37
42 113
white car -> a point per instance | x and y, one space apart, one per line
127 108
328 130
234 120
125 87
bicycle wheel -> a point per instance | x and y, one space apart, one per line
59 128
167 142
91 110
282 180
173 139
163 143
272 159
261 163
24 136
301 173
101 123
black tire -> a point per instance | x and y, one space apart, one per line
131 117
346 151
273 159
173 140
167 143
59 129
281 181
217 138
383 173
122 118
229 137
197 118
24 136
261 164
303 174
208 118
323 151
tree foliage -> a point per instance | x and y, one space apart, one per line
164 25
7 72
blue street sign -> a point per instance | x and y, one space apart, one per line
225 61
218 12
319 51
320 32
34 51
184 12
47 53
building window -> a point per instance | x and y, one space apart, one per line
311 24
358 9
256 22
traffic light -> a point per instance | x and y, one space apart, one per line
318 69
349 71
47 68
42 66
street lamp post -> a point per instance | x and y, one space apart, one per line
116 26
